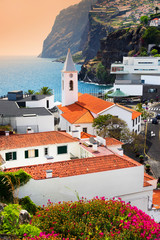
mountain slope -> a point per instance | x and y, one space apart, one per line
67 30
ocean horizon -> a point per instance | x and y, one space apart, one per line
31 72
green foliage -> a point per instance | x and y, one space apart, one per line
141 157
154 52
28 205
151 35
45 91
101 73
10 216
29 230
10 181
95 219
145 114
100 122
111 126
10 223
29 92
144 20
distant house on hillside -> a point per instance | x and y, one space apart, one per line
155 22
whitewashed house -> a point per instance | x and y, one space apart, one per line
30 113
63 167
79 110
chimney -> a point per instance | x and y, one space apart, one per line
6 133
49 173
95 147
120 151
29 130
77 133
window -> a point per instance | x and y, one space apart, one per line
45 151
69 129
133 122
70 75
138 128
62 84
139 119
70 85
47 103
117 69
85 130
62 149
11 156
31 153
152 90
136 121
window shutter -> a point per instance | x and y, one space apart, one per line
26 154
62 149
14 155
36 152
7 156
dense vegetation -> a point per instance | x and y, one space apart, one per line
95 219
9 181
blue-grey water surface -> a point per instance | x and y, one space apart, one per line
23 73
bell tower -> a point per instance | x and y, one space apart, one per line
69 78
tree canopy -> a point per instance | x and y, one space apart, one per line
112 126
45 91
144 20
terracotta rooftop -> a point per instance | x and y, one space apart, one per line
135 113
86 135
156 198
76 114
112 141
78 166
34 139
93 104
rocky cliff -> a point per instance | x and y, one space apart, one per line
119 43
67 30
81 26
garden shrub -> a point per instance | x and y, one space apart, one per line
95 219
28 205
10 181
28 230
10 219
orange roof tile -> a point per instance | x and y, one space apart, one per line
156 198
76 114
86 135
78 166
148 177
93 104
135 113
34 139
112 141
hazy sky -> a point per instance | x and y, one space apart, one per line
24 24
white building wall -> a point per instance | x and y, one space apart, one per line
52 152
42 102
127 183
130 89
149 79
64 125
69 96
38 123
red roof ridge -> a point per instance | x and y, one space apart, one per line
78 166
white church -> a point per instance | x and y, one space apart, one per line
78 111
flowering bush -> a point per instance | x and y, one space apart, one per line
95 219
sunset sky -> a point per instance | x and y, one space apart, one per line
24 24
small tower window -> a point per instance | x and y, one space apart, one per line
62 84
70 85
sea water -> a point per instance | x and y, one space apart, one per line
24 73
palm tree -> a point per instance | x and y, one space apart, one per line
29 92
45 91
156 9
